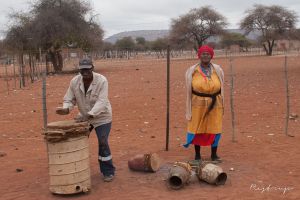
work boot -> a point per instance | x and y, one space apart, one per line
108 178
214 156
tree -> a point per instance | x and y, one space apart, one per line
107 49
18 36
141 44
229 39
53 24
159 45
274 22
140 40
196 26
295 34
107 46
2 51
126 43
19 39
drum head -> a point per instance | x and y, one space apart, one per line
66 124
154 162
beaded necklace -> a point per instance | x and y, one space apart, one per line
206 70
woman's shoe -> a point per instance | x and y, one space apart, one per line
214 157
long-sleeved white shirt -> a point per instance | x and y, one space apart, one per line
95 102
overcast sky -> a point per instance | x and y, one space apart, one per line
125 15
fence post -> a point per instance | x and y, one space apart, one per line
44 97
232 100
6 77
287 97
168 99
15 79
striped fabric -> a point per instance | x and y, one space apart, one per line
205 139
107 158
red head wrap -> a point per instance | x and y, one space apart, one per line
205 48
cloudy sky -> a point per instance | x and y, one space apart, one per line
125 15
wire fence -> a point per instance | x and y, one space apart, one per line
149 92
184 54
15 75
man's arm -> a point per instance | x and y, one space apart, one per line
69 98
68 103
101 103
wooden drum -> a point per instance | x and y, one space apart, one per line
144 162
179 175
68 157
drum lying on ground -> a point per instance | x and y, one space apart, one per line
212 174
145 162
179 175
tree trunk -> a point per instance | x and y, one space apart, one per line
22 71
269 49
199 43
56 59
265 48
31 67
60 61
52 58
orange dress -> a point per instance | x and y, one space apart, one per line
203 123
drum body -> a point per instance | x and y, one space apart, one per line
212 174
68 157
144 162
179 175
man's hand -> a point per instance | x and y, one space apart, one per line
62 111
80 118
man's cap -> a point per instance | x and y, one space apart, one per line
85 64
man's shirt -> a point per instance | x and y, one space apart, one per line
94 102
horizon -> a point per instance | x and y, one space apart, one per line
116 16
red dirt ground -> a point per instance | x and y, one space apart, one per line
137 92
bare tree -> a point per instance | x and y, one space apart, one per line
235 39
54 24
196 26
125 46
295 34
1 48
18 39
18 36
160 46
141 44
126 43
274 22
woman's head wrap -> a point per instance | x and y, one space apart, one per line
205 48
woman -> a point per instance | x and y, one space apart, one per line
204 106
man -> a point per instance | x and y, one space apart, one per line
90 91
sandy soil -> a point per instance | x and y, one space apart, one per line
262 158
